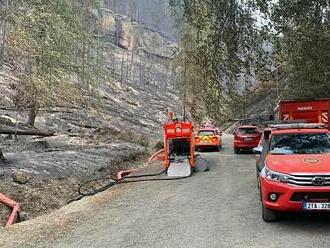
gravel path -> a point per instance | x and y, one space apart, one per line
219 208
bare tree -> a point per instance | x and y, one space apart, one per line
4 33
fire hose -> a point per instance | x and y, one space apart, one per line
14 206
121 178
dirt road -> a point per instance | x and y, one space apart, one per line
219 208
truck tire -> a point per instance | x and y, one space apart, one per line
236 150
268 215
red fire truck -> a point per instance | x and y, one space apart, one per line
311 111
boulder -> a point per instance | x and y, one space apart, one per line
20 177
154 43
39 145
6 120
107 22
124 33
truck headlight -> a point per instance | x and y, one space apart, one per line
275 176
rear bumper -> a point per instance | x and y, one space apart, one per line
210 145
285 201
245 145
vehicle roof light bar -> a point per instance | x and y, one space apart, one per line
279 122
298 126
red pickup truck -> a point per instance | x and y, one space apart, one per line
293 170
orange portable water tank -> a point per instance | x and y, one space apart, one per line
178 142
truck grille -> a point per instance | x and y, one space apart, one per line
311 196
309 180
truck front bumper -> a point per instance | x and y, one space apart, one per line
290 198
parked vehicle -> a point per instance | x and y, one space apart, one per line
311 111
293 171
208 137
246 138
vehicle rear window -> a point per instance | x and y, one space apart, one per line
308 143
248 131
206 133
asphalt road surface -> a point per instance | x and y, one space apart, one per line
219 208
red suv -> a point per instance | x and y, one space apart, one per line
293 169
247 138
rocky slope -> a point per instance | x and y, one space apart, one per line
124 122
154 14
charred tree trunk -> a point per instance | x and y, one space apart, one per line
2 158
4 34
33 115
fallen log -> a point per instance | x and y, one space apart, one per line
27 132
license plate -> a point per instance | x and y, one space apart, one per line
316 206
248 139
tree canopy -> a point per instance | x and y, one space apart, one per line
231 46
220 44
302 29
51 48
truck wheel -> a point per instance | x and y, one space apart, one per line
268 215
260 190
236 150
258 183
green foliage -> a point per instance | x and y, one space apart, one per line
303 34
286 49
220 44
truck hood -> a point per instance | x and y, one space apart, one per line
296 164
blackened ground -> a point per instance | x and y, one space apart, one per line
43 174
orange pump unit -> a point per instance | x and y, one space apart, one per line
179 148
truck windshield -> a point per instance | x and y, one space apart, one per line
205 133
308 143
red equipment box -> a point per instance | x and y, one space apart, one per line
312 111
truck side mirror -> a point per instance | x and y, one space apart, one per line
257 150
267 134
